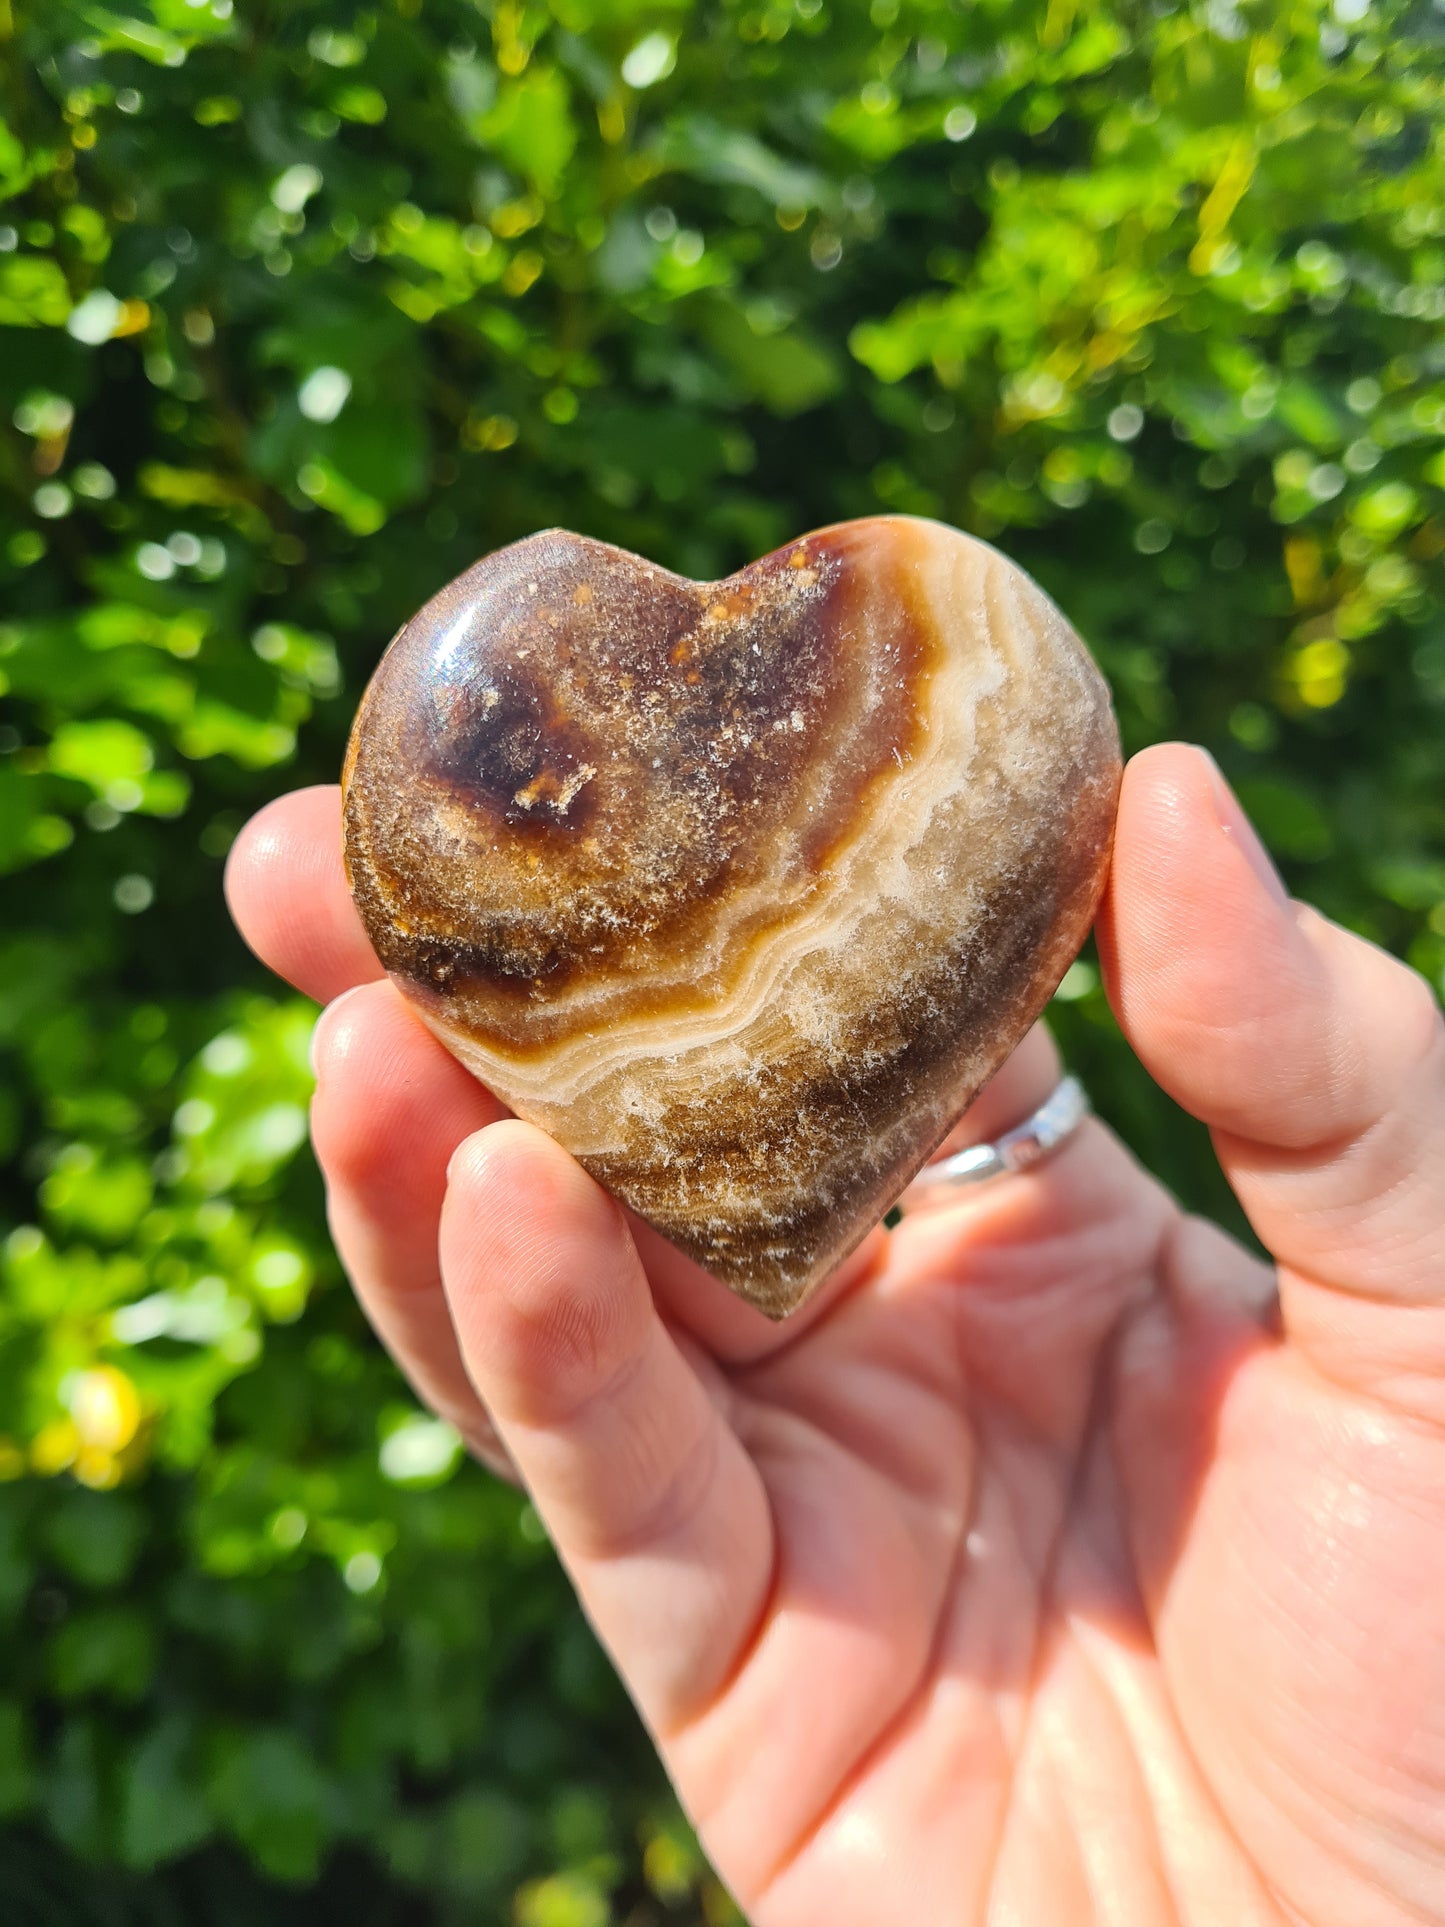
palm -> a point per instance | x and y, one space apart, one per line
1052 1566
921 1449
1040 1491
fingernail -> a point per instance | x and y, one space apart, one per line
1241 832
455 1158
322 1022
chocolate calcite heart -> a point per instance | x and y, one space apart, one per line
741 889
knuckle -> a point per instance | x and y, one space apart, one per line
365 1118
1422 1021
672 1481
343 1148
577 1339
558 1257
1403 1044
355 1145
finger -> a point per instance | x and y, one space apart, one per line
727 1327
655 1508
287 891
1318 1060
390 1109
1007 1100
391 1106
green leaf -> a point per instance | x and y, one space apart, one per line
77 1788
566 1900
268 1789
531 126
33 293
15 166
1291 822
163 1811
707 149
95 1536
787 370
102 1649
483 1843
357 102
102 754
28 831
106 1198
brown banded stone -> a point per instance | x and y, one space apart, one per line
741 890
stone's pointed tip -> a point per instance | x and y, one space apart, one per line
740 889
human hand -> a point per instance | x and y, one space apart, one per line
1058 1562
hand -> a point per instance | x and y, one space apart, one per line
1060 1562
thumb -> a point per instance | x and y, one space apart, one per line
1317 1060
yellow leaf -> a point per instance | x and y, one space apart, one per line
1231 184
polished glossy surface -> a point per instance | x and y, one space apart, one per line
743 889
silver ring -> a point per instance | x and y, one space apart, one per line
1027 1144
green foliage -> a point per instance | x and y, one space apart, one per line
305 307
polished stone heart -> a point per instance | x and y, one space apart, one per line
742 889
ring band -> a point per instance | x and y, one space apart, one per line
1028 1144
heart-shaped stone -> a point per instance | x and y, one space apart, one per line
743 889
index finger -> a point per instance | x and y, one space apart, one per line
287 891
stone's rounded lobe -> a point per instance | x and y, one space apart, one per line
741 890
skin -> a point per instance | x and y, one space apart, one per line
1060 1562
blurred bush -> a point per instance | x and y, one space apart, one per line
304 307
